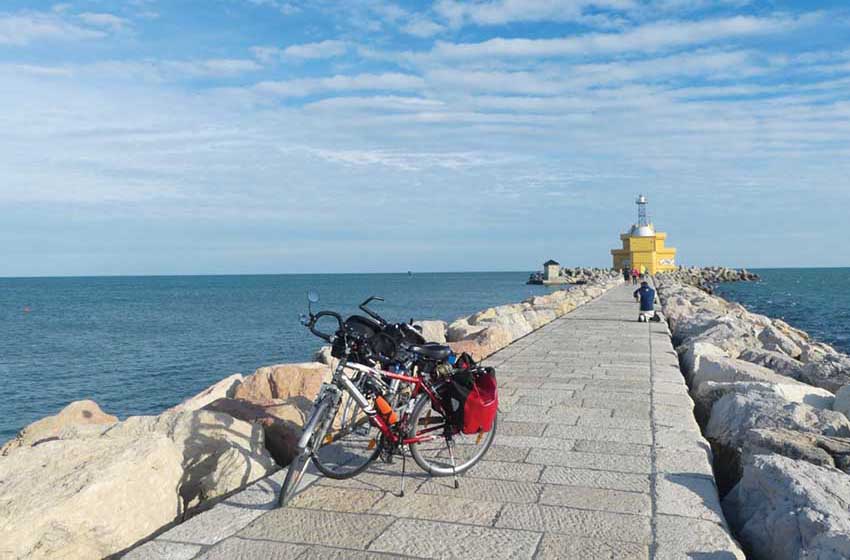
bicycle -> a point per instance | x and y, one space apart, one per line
353 420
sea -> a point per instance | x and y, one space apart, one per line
816 300
138 345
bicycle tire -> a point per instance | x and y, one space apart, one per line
346 457
442 465
306 443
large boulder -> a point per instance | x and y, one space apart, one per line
709 392
220 453
487 342
433 331
724 369
815 352
284 381
784 509
87 498
800 338
831 372
734 414
77 413
225 388
777 361
690 354
461 329
280 433
842 401
827 451
774 339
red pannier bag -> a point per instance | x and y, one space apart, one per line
482 403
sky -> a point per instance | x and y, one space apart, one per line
280 136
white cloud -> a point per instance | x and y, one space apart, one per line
302 87
330 48
498 12
422 27
322 49
103 20
645 38
27 27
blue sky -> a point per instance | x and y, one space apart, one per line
254 136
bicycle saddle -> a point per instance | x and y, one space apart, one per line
432 350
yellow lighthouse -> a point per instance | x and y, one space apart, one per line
643 247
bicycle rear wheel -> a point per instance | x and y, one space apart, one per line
451 451
351 443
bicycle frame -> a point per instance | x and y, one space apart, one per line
376 419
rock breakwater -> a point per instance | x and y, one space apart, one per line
706 277
82 484
773 404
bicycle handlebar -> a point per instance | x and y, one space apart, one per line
371 313
319 315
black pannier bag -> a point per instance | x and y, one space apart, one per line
358 327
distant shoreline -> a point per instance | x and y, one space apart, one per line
404 273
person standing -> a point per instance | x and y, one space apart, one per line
634 275
626 274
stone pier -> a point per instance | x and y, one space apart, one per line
597 455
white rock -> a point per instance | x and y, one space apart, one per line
815 352
774 339
323 356
777 361
223 389
87 498
842 401
734 414
711 391
461 329
785 509
220 453
831 372
433 331
72 417
691 353
723 369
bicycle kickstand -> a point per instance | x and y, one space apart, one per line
403 471
454 470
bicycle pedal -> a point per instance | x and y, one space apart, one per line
372 443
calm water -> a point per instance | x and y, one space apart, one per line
816 300
137 345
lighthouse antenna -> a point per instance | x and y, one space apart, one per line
641 204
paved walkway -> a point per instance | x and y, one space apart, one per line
597 456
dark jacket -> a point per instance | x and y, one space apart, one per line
647 298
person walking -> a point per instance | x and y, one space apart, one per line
635 276
626 274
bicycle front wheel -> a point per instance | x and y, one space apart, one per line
451 451
350 444
309 441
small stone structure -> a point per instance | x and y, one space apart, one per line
551 272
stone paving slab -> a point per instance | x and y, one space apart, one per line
597 455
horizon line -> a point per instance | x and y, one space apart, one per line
205 274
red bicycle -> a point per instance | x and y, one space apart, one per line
366 412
